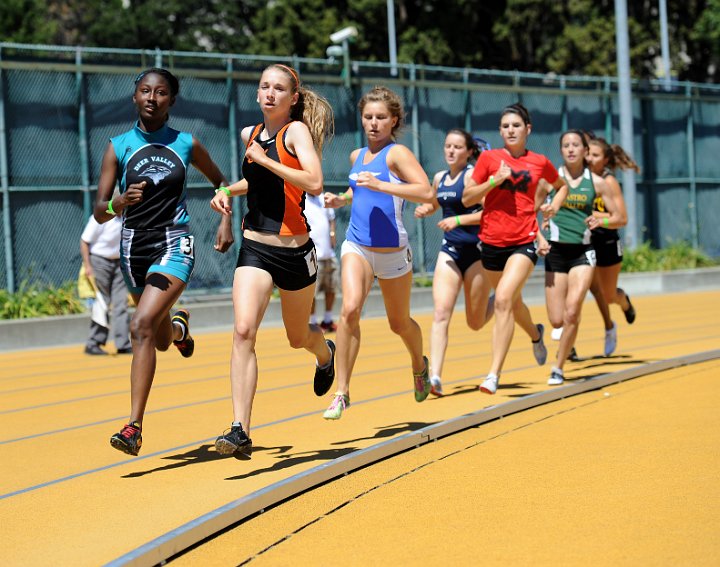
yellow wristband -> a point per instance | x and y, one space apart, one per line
606 222
110 210
224 190
492 182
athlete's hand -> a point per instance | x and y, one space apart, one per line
224 238
134 194
502 173
333 201
424 210
542 245
593 222
367 179
547 211
254 152
221 203
447 224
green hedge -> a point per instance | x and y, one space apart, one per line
32 300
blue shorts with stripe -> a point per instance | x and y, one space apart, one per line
169 251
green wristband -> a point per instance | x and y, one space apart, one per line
109 209
224 190
457 220
492 182
606 222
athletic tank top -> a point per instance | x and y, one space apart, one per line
160 158
568 226
599 205
274 205
450 198
375 218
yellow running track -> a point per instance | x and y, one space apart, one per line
624 478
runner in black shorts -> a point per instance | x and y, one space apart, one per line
281 164
157 253
507 180
570 263
458 262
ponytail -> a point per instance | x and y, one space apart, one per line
311 109
615 155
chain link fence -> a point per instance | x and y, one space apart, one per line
60 106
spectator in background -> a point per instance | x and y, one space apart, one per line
322 233
100 251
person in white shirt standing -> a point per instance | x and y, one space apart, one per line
100 250
322 233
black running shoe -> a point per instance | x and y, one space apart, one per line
573 355
234 442
129 439
324 377
630 313
186 345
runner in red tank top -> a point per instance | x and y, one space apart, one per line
507 180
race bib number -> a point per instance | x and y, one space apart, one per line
187 245
311 261
590 255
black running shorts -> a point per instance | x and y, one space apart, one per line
291 269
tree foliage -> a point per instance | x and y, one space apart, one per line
569 37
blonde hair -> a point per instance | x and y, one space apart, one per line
390 99
311 108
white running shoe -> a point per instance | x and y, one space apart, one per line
489 386
556 333
436 386
611 340
539 349
556 377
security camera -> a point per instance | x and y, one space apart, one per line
343 34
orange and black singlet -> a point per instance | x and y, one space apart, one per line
274 205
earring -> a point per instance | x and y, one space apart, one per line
257 99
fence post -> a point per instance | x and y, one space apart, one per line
467 103
5 187
692 205
608 111
415 119
82 136
232 139
563 105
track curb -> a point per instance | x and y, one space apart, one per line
160 549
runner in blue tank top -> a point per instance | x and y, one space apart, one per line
383 175
151 163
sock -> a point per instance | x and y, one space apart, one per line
183 328
435 377
313 319
328 317
236 424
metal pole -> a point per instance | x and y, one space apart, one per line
392 41
233 145
626 118
82 136
415 121
665 44
346 63
692 205
5 186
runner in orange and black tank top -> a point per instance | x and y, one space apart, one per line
274 205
